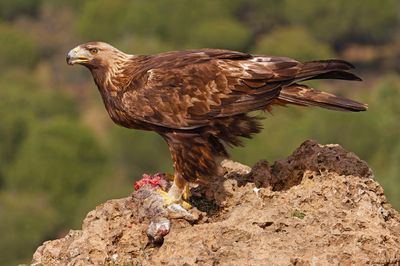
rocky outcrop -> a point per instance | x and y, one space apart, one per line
320 206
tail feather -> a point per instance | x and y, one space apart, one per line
302 95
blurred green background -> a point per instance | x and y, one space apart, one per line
60 154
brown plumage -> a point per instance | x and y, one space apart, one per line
198 100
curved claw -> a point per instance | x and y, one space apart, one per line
170 200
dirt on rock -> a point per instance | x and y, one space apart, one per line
320 206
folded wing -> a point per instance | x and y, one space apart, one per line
190 89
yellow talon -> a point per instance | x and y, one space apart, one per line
178 193
168 200
186 205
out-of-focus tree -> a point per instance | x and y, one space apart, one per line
60 4
29 105
170 21
12 9
293 42
103 20
48 163
59 157
221 33
16 48
141 45
138 152
178 22
26 220
385 157
341 21
260 15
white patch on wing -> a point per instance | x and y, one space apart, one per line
257 62
200 53
271 59
246 66
151 74
259 59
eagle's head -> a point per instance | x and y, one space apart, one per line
95 55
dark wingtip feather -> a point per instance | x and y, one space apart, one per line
339 74
350 65
332 64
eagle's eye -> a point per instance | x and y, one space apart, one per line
93 50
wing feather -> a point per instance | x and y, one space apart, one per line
188 89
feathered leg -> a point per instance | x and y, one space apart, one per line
194 156
197 154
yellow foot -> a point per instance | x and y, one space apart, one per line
168 200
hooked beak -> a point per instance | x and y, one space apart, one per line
78 56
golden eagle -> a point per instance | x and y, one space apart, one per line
199 100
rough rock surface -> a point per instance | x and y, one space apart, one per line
320 206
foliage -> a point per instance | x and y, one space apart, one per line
115 23
355 21
293 42
131 152
262 16
26 220
48 161
222 33
17 48
64 160
386 153
12 9
28 105
98 23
